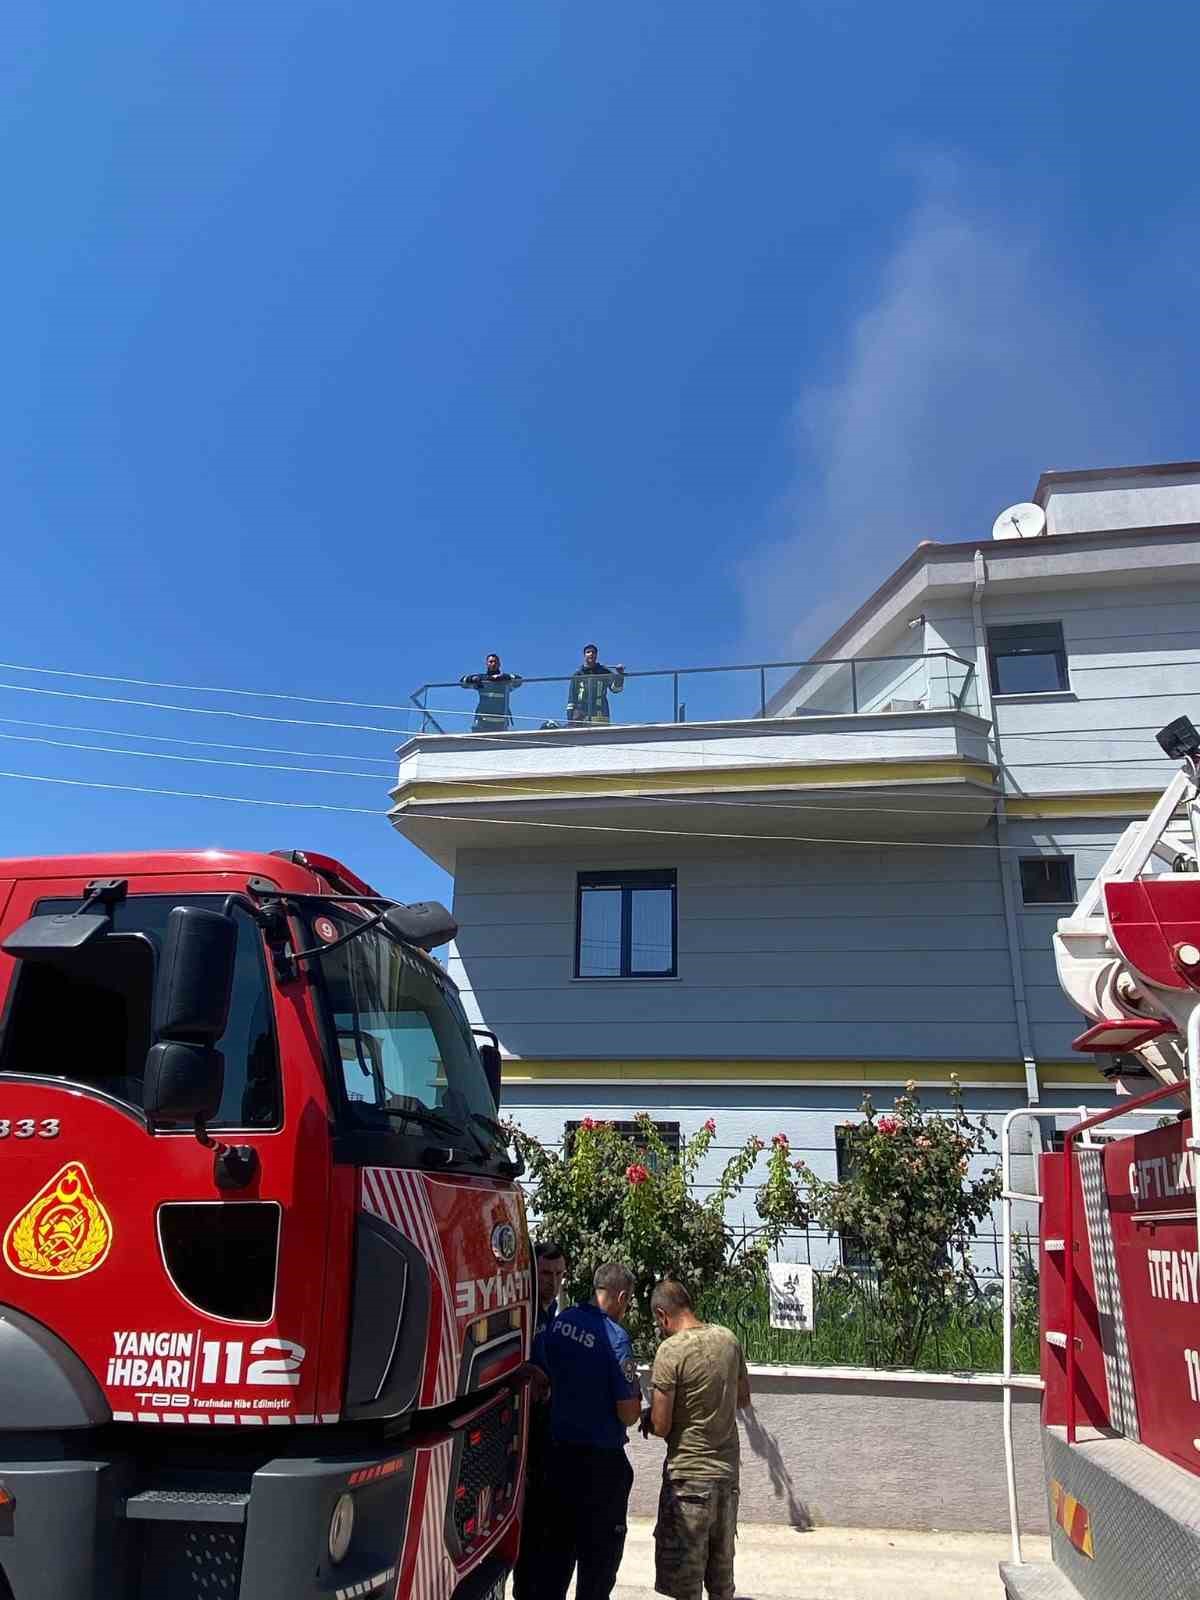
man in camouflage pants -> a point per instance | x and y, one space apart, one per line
698 1385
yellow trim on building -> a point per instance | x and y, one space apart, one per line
1030 808
972 1074
833 774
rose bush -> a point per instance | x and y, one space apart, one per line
909 1203
606 1197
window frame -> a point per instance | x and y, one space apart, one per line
627 881
1067 862
49 904
852 1252
1030 631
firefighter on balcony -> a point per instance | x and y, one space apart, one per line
493 686
587 697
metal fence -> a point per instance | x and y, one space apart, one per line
850 1329
937 681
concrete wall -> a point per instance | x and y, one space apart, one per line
875 1452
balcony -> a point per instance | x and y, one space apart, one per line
807 750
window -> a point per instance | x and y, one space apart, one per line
1029 658
1048 880
625 925
668 1132
88 1012
854 1253
402 1038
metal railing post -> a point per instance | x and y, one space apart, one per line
762 691
675 687
854 687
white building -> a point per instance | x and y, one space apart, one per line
767 890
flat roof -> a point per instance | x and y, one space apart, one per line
1059 477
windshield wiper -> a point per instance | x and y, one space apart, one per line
496 1129
424 1119
501 1146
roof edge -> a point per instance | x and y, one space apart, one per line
1155 469
1000 548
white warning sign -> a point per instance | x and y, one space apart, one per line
792 1300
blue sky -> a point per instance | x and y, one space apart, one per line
346 342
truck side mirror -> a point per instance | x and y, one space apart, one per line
195 975
184 1072
425 924
183 1082
489 1057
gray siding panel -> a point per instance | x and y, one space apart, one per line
781 953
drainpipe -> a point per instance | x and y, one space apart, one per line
1007 884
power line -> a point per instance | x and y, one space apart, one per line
376 705
203 744
507 822
204 688
687 833
168 755
198 711
191 794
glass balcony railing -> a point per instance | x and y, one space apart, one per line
939 681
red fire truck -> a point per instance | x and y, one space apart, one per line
267 1291
1120 1249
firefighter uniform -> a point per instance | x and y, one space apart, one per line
590 1363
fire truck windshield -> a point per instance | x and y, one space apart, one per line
404 1044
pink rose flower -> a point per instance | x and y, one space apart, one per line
710 1126
636 1174
780 1141
588 1122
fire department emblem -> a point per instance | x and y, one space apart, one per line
64 1232
504 1241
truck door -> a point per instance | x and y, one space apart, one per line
188 1301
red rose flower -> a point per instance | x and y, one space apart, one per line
636 1173
888 1126
710 1126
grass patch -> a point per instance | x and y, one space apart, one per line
848 1332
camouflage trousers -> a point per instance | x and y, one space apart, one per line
694 1538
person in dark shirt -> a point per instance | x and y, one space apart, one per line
587 697
551 1270
494 687
594 1397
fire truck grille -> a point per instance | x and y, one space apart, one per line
188 1562
485 1480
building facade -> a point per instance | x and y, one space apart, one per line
768 890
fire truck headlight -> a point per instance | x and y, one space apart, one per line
341 1528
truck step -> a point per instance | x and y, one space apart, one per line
187 1505
1036 1580
1131 1527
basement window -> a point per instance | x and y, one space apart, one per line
1048 880
625 925
668 1132
1028 658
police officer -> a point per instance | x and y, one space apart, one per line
594 1396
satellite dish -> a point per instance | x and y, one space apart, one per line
1022 521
